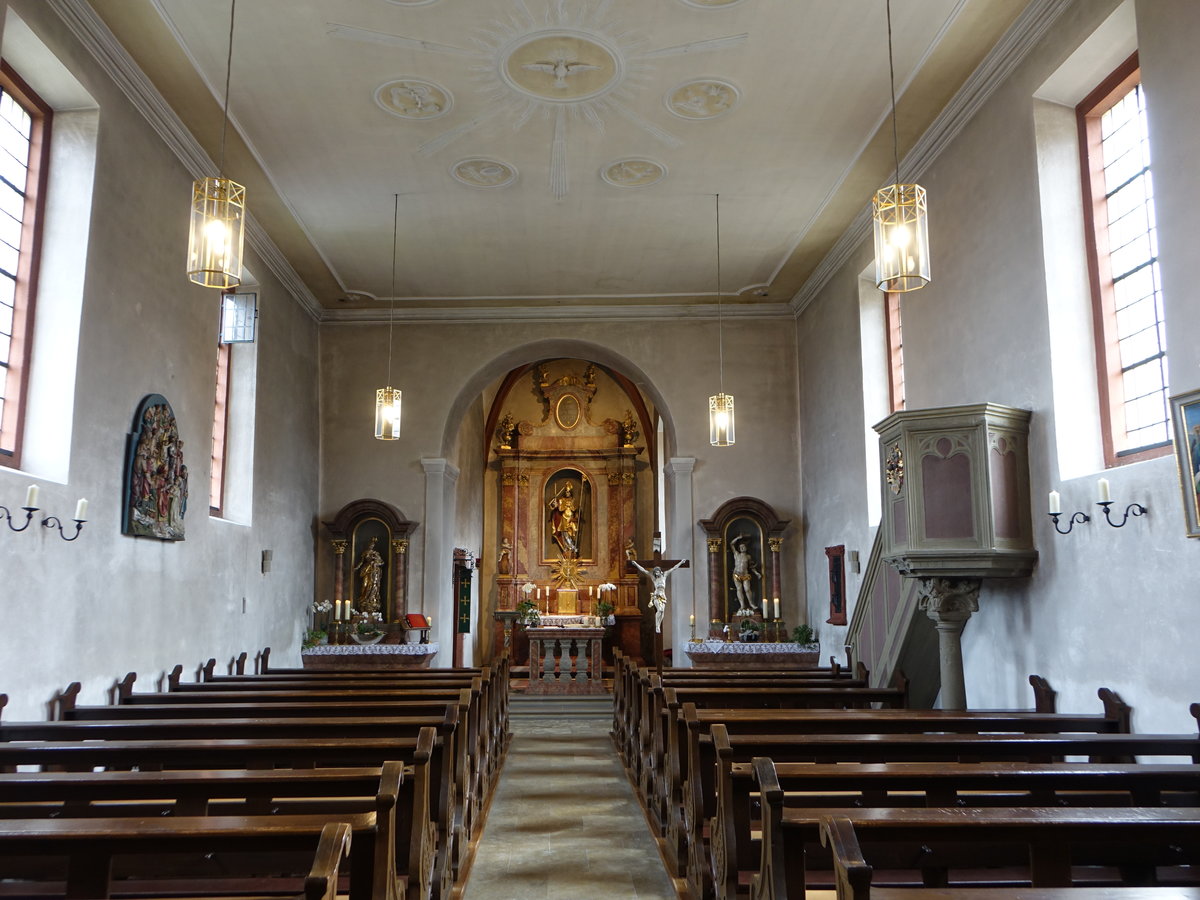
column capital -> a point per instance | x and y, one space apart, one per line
339 546
715 545
948 600
681 465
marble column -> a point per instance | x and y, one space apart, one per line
776 544
716 595
949 602
400 579
339 573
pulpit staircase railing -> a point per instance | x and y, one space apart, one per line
888 631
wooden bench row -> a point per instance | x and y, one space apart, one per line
410 847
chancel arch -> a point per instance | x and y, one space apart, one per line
569 483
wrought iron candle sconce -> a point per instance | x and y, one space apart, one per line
29 511
1076 518
54 521
1133 509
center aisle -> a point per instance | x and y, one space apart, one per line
564 822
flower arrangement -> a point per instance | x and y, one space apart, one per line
527 612
320 614
313 637
366 624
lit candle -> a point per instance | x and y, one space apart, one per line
692 619
31 496
429 621
539 593
777 607
1105 494
81 509
1055 502
591 590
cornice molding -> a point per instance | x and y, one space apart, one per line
1012 48
592 313
89 29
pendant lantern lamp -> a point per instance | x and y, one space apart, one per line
217 230
901 223
720 405
387 399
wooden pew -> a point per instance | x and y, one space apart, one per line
449 764
265 755
473 750
102 853
1050 847
735 855
396 793
663 729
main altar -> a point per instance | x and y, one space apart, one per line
568 492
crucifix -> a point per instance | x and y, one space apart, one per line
658 591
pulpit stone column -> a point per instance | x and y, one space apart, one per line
949 602
681 533
437 584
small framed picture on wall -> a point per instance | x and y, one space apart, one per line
1185 414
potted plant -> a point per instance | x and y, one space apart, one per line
810 652
605 608
528 614
750 631
313 637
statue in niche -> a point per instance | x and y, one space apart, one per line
744 568
504 563
370 578
564 521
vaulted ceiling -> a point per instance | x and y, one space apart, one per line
556 153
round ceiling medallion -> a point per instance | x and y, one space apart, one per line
704 98
484 173
412 98
633 172
560 66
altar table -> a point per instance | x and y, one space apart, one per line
369 656
565 660
736 655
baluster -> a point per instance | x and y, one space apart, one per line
581 661
548 663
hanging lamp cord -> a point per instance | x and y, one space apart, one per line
720 317
892 81
392 294
228 70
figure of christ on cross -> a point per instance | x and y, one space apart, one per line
658 593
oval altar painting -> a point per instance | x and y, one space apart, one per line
566 412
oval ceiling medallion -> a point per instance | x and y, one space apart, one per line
704 98
701 4
560 66
633 172
412 98
484 173
567 412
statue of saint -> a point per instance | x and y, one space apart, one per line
564 521
743 567
658 592
504 563
370 577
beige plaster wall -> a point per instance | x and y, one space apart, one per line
445 368
1104 606
106 604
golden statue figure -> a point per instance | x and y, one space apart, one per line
370 577
564 521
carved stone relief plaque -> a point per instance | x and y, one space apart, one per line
633 173
561 66
484 173
705 98
413 98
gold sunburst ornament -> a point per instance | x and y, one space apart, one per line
217 230
900 215
567 573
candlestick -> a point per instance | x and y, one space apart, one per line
777 607
692 619
81 509
1105 493
31 497
1055 503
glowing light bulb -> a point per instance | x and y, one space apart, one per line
899 237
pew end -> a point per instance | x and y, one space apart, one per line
333 848
851 873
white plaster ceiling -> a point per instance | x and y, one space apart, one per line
557 151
